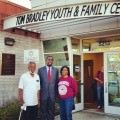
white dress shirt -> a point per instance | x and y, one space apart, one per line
30 85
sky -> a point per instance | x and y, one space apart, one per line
24 3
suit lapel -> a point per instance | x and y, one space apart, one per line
45 71
53 73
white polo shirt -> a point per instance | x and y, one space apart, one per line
30 86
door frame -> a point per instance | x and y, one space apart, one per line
78 106
108 109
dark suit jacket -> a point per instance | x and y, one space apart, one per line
48 88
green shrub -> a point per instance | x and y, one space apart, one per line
10 111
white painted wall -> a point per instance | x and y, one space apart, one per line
81 27
24 3
41 4
9 84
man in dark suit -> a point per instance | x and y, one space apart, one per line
48 82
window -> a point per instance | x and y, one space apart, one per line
8 64
58 49
56 45
101 44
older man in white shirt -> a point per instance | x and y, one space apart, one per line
28 92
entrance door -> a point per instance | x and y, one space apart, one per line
77 72
112 82
89 91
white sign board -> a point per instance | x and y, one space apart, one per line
31 56
65 12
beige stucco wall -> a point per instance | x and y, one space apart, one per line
9 84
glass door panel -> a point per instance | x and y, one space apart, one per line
77 76
112 82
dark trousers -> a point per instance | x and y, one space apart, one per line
47 109
30 113
66 107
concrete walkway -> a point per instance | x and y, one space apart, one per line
90 116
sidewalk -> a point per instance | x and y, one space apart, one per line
90 116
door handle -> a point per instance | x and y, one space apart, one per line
81 83
106 87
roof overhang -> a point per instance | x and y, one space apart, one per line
32 20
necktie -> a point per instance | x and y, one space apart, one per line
49 74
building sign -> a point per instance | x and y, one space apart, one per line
66 12
31 56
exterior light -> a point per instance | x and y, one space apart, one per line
9 41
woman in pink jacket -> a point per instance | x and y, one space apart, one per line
67 90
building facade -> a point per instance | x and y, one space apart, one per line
84 35
23 41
